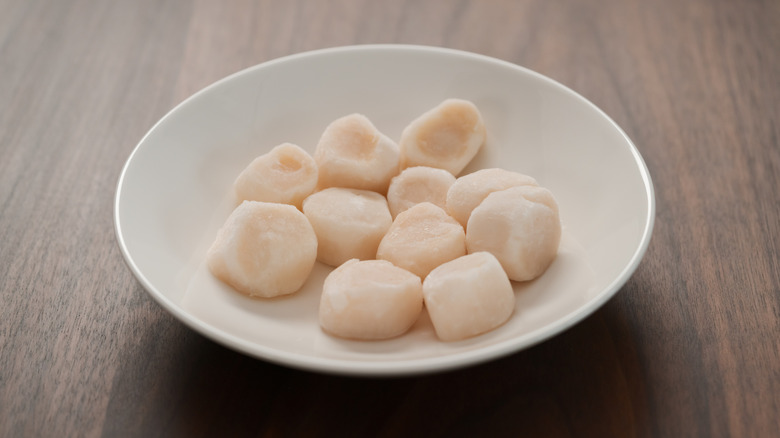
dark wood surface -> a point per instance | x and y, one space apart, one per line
689 347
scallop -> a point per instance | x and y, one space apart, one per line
418 184
370 300
287 174
447 137
349 223
353 153
520 226
468 296
470 190
422 238
264 249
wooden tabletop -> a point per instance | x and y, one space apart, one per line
689 347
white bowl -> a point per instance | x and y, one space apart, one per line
173 195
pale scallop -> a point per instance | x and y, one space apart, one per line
264 249
286 174
447 137
520 226
370 300
422 238
353 153
418 184
468 296
349 223
470 190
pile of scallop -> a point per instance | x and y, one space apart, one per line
404 234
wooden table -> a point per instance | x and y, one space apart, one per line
689 347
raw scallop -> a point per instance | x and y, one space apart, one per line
422 238
468 296
520 226
447 137
469 190
370 300
353 153
418 184
264 249
349 223
287 174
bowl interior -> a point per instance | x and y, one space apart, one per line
174 194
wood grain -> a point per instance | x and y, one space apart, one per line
689 347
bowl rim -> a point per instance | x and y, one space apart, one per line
407 366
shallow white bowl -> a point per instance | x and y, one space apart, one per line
174 193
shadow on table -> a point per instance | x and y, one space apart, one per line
584 382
